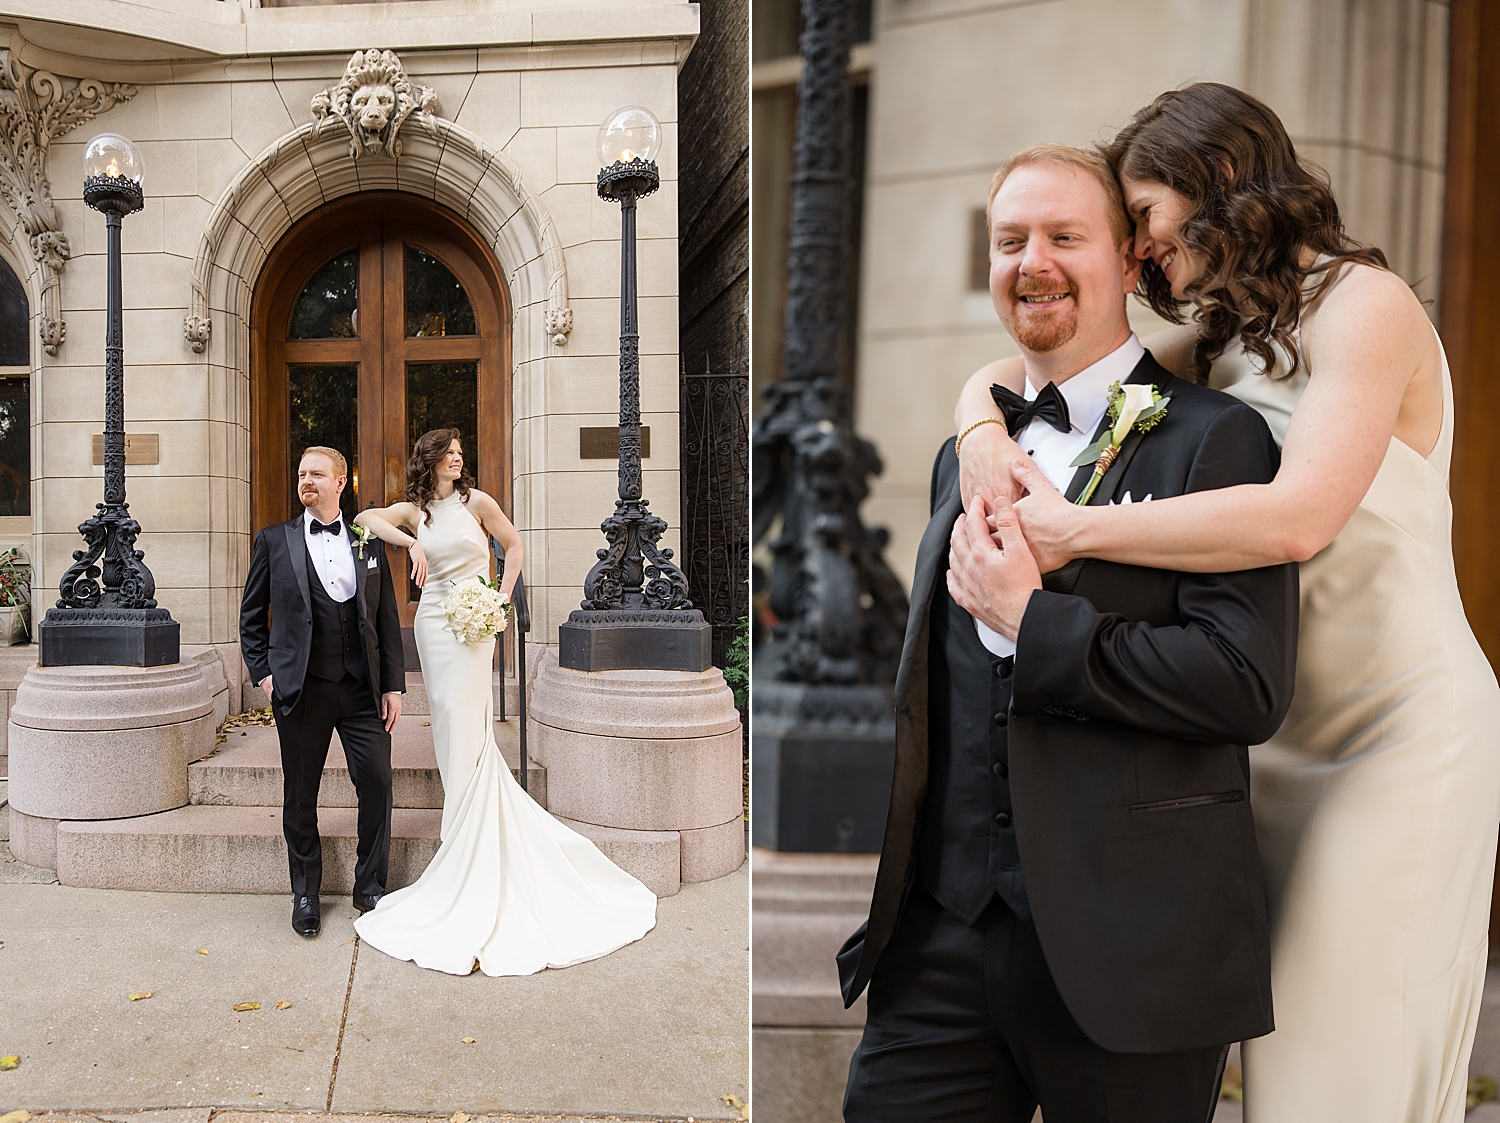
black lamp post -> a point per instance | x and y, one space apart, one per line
824 737
635 612
107 613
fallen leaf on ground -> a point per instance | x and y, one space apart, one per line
459 1117
6 1064
242 1006
15 1116
427 723
1481 1090
254 1094
737 1104
467 1040
137 995
283 1005
1233 1087
202 951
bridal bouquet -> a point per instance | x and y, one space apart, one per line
476 610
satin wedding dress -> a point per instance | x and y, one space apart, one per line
510 887
1376 809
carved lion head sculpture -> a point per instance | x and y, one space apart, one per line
373 99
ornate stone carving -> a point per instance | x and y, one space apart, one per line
559 324
37 107
373 100
196 330
539 275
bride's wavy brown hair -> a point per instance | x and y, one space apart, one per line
1253 208
426 454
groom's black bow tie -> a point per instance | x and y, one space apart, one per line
331 528
1049 406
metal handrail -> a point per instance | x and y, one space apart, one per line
521 618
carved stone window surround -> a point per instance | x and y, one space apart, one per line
37 107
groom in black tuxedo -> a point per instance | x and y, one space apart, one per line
321 634
1069 910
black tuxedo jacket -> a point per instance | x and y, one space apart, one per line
280 646
1136 693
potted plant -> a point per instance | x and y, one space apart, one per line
15 596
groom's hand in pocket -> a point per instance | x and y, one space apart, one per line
265 685
390 710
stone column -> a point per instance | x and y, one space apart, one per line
102 742
647 764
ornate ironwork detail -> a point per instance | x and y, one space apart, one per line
840 612
37 107
373 100
633 571
634 178
715 419
110 573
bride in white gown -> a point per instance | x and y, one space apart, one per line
510 887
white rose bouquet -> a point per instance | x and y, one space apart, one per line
476 610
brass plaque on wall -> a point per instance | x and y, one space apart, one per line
603 442
140 448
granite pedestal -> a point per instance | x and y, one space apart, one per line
102 742
656 756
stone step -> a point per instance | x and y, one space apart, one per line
246 769
222 849
198 849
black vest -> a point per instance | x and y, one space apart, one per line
967 852
338 648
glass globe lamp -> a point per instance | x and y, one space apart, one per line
632 133
112 168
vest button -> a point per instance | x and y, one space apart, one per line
1003 668
1001 770
1000 718
1003 819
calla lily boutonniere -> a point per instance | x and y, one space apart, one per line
363 534
1138 407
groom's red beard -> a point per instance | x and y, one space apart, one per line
1043 328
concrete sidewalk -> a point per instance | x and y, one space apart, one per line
658 1030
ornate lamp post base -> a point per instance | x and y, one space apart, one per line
121 637
645 639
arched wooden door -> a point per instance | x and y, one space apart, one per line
376 319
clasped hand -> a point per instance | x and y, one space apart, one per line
991 570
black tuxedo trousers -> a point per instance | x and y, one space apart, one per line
965 1025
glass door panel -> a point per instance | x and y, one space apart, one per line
328 306
322 408
444 396
436 303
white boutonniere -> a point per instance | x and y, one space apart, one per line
1137 407
363 534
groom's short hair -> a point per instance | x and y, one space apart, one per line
1080 159
340 465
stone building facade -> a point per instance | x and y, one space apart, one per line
360 221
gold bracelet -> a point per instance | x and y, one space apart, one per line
982 421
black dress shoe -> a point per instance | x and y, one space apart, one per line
307 917
365 904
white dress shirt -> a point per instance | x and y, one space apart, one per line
332 557
1087 395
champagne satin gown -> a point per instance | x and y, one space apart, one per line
510 889
1376 806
